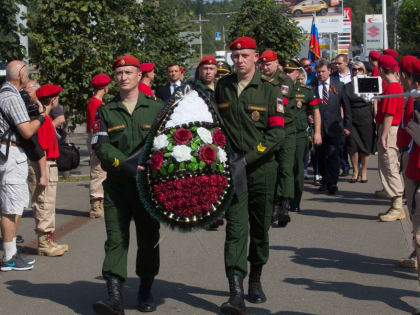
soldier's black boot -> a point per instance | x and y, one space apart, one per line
276 211
284 218
255 292
145 297
236 303
114 305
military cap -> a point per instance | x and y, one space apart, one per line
391 52
126 60
292 64
100 81
208 60
223 66
146 67
374 55
407 63
268 55
48 90
243 42
388 62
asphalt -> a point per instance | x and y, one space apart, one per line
335 257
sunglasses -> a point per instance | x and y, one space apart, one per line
306 66
357 69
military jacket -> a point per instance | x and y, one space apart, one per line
118 134
286 86
306 101
254 121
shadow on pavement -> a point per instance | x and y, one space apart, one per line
329 258
330 214
389 296
73 213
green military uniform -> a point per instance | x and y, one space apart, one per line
286 153
118 134
305 102
254 123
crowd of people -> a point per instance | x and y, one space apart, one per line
280 117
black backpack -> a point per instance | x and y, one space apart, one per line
69 158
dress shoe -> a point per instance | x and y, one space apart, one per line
344 173
282 212
332 190
236 303
352 180
145 297
114 305
323 188
255 292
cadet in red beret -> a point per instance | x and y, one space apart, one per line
388 118
373 60
205 74
252 109
43 196
147 77
127 60
391 52
100 83
267 56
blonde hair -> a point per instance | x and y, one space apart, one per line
361 65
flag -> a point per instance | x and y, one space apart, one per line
314 50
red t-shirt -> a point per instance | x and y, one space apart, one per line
392 106
47 138
145 89
91 110
413 166
403 137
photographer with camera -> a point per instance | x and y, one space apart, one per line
43 197
15 126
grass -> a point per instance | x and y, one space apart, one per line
72 179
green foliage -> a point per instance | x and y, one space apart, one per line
408 23
71 41
10 47
269 25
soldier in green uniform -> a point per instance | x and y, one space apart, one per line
285 156
306 104
205 74
120 129
253 115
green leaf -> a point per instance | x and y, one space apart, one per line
202 165
167 154
213 166
172 131
194 147
193 166
181 166
194 128
193 159
163 171
220 167
171 168
170 147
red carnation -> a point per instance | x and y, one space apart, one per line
182 136
219 138
156 160
207 154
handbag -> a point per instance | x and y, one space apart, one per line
69 158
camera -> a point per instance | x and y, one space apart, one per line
367 85
32 108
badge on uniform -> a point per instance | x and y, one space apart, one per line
284 89
255 115
261 148
280 105
299 104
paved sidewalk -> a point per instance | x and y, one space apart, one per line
334 258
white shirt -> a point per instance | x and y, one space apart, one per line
321 87
174 85
345 78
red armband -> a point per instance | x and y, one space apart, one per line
275 121
315 102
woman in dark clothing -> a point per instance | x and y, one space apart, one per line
360 143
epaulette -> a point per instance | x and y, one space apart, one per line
307 86
150 97
273 81
282 75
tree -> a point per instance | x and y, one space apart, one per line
269 25
408 23
10 47
71 41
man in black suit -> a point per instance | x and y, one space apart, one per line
174 74
336 121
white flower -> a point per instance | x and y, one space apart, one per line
221 155
160 142
181 153
205 135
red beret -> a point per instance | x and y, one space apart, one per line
147 67
268 55
208 60
100 81
391 52
416 67
407 62
388 62
374 55
126 60
181 70
243 42
48 90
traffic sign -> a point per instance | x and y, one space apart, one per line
218 36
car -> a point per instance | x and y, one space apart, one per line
310 6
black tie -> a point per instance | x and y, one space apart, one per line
324 94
